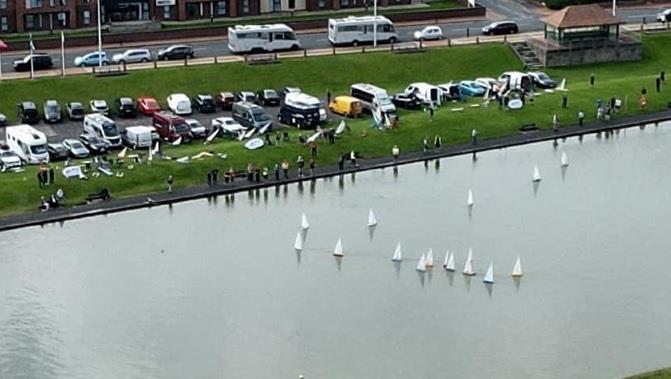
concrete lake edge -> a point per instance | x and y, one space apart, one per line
193 193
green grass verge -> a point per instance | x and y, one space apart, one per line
315 76
657 374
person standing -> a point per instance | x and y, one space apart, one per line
209 178
658 84
592 80
581 118
437 142
352 158
313 164
328 97
301 163
285 168
265 173
341 162
276 170
170 181
425 145
431 111
395 152
313 149
564 101
555 123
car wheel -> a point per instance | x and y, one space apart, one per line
295 47
392 40
145 60
355 43
122 62
191 56
105 63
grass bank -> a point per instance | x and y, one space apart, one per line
664 373
336 73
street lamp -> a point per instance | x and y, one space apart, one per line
614 7
100 39
375 23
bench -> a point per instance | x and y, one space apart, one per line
105 71
406 48
255 59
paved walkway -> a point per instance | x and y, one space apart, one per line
157 199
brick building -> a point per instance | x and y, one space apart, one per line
37 15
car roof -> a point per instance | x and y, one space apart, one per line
126 99
75 104
28 104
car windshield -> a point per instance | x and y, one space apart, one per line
270 93
110 129
77 111
249 97
76 145
183 105
38 149
383 99
30 112
52 108
543 76
8 154
181 128
208 100
260 115
151 104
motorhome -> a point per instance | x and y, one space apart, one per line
358 30
261 38
103 127
28 143
250 115
300 109
427 93
373 97
170 127
515 80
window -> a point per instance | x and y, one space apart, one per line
245 7
292 4
87 17
321 3
30 21
166 12
277 5
33 4
192 9
222 8
3 4
4 24
344 3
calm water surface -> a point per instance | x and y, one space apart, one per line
215 290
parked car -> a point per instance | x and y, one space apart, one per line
406 101
148 105
9 159
432 32
3 120
471 88
664 16
92 59
541 79
179 104
28 113
245 96
95 144
99 106
57 151
347 106
132 56
139 136
40 62
500 27
268 97
75 111
198 130
52 111
204 103
175 52
450 91
76 148
225 100
125 107
228 126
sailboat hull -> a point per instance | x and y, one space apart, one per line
516 275
468 273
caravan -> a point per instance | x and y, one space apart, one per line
516 80
372 97
427 93
356 30
260 38
28 143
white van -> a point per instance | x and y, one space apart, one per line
516 80
28 143
357 30
138 136
371 97
428 93
103 127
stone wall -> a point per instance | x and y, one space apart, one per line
560 57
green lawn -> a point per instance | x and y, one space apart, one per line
658 374
315 76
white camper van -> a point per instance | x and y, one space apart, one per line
372 97
357 30
260 38
427 93
28 143
103 127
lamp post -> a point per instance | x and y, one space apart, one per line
614 6
100 39
375 23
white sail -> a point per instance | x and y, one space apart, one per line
372 221
468 267
562 86
517 269
536 177
489 276
210 138
341 128
338 249
155 150
564 159
429 258
398 256
447 258
304 222
449 261
314 137
177 142
470 200
421 265
122 153
298 245
150 157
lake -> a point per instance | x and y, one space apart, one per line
214 288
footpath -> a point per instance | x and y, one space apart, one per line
364 164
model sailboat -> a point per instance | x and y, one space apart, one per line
536 177
517 269
468 267
372 221
298 245
421 265
489 276
449 261
304 222
397 257
470 200
564 159
338 249
429 258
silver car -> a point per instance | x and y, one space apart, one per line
132 56
76 148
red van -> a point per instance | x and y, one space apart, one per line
170 127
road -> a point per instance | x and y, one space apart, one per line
525 14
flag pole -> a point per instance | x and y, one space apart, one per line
62 53
32 52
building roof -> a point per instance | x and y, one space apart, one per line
577 16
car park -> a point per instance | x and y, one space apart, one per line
431 32
664 16
471 88
179 104
103 127
198 130
175 52
171 128
204 103
99 106
3 120
75 111
247 96
225 100
39 62
92 59
406 101
57 151
27 112
268 97
76 148
9 160
228 127
95 144
148 105
125 107
347 106
500 27
52 111
139 136
542 80
132 56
